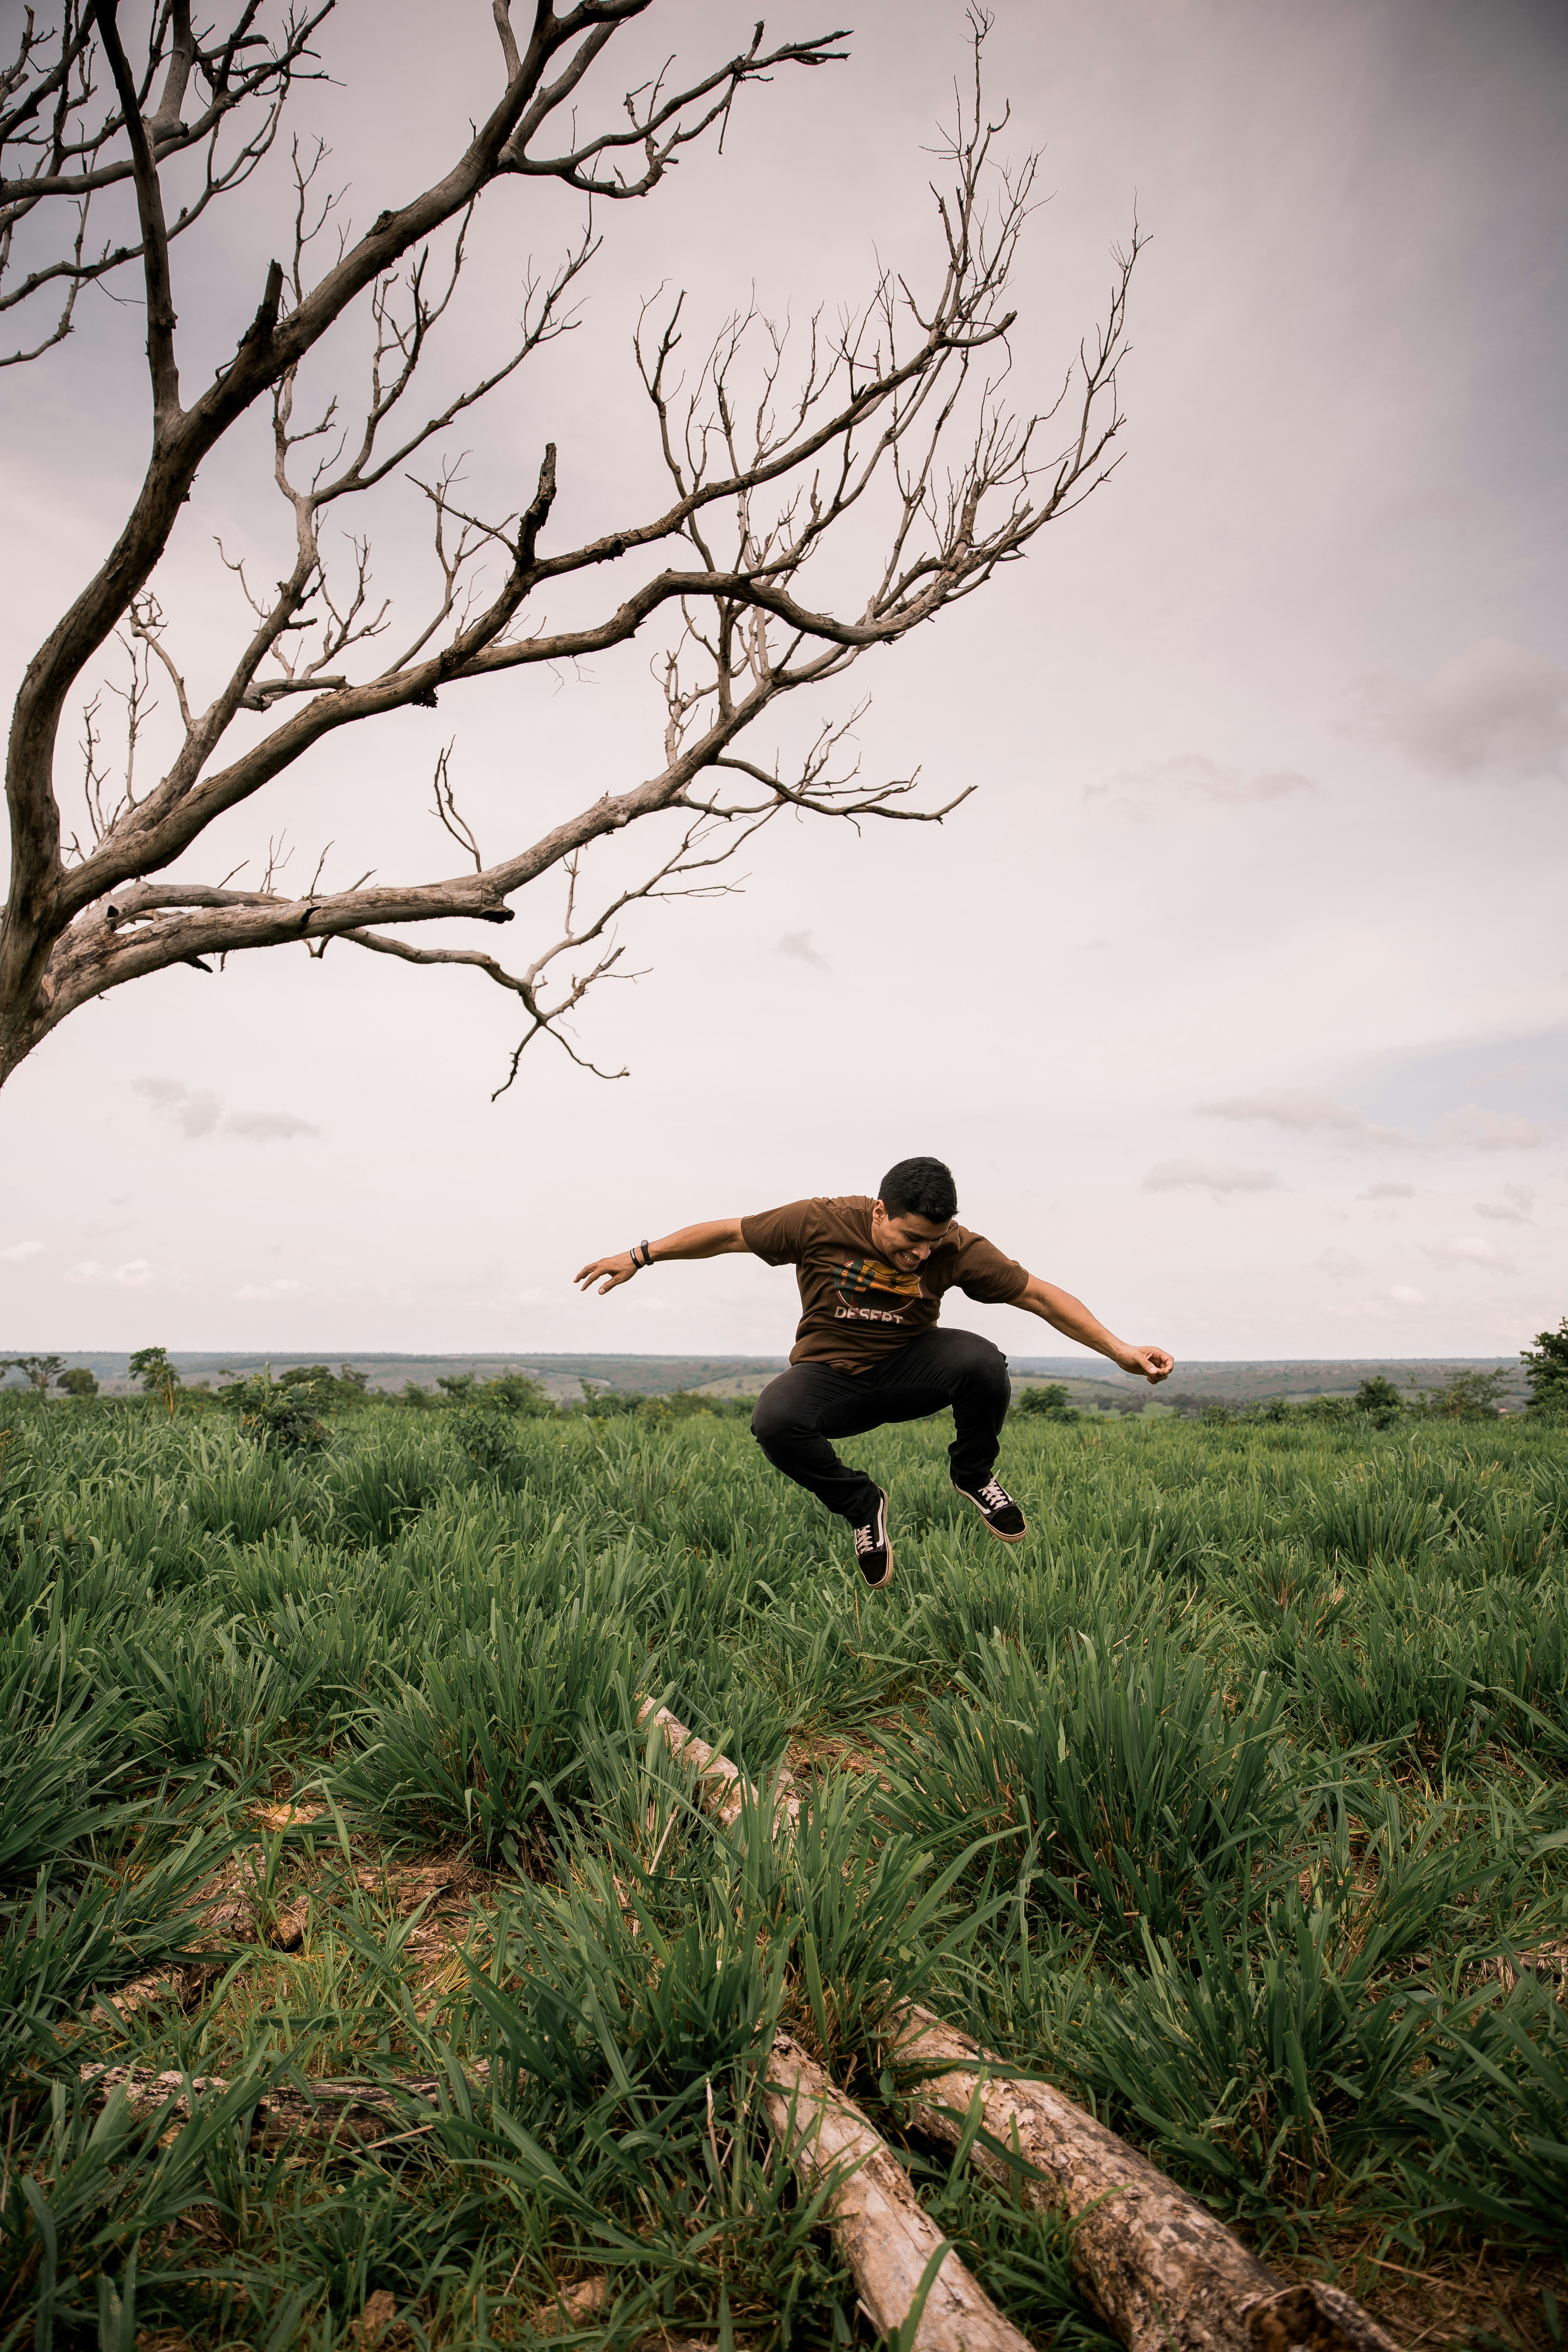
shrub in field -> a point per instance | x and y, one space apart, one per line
100 2186
202 1693
1335 1410
1380 1399
646 1986
625 2028
519 1392
279 1414
1241 2054
1370 1516
1290 2026
240 1490
85 1923
1546 1369
1464 1396
488 1438
74 1916
78 1381
1424 1657
1127 1789
1051 1402
154 1372
491 1748
64 1754
1494 2100
375 1492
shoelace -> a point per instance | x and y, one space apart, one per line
866 1538
994 1495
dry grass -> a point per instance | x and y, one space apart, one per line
1439 2299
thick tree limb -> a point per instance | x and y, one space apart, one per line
1162 2270
730 1792
892 2246
351 2107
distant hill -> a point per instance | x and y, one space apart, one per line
1194 1386
560 1376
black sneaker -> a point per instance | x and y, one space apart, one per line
873 1552
997 1507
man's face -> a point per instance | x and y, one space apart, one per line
905 1241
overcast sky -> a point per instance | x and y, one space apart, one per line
1235 996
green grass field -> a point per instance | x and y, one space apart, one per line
1236 1799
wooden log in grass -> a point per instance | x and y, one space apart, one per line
890 2242
324 2108
726 1789
1159 2267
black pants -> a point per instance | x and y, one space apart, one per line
797 1414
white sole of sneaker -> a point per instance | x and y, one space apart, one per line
989 1530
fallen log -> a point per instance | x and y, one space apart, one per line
734 1791
888 2240
318 2108
1159 2267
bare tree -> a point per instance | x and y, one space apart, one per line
888 431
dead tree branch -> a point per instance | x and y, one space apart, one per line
888 432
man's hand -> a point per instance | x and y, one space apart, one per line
1065 1313
717 1237
618 1269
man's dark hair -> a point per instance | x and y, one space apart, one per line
920 1188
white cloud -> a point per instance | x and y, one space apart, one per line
1295 1107
21 1253
798 945
1339 1262
283 1288
267 1126
1403 1296
1514 1207
1389 1192
1470 1250
196 1111
135 1273
1496 709
1215 1176
1140 791
1490 1130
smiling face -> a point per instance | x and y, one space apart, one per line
905 1241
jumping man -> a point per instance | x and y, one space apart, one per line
868 1351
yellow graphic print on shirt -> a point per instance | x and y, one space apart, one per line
863 1278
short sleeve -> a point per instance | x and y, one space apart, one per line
777 1235
984 1274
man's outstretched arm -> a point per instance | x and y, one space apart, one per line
1070 1315
712 1240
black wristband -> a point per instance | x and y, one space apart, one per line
647 1257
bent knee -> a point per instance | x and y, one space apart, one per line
980 1359
773 1417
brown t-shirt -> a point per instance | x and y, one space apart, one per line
855 1308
